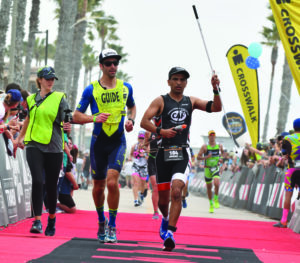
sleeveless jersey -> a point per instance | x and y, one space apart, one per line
176 113
141 159
215 151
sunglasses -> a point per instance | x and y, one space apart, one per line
109 63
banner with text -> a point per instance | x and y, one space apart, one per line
286 14
246 83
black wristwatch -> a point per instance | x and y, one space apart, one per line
131 120
158 129
215 91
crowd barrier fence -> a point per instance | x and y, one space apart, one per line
15 186
259 189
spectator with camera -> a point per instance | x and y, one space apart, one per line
42 133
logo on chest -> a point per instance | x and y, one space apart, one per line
178 114
110 97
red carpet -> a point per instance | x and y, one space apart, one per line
268 243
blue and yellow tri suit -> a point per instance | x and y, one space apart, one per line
108 143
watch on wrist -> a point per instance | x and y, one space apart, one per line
131 120
216 92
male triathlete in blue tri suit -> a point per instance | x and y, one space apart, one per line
108 99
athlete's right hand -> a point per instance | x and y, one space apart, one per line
102 117
168 133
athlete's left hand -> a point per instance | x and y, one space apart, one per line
128 125
215 82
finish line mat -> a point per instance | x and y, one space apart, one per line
90 250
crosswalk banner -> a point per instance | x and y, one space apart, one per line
287 17
246 83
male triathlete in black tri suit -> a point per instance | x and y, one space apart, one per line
173 156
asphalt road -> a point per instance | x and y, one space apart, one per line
197 206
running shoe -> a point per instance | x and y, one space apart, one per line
137 203
169 242
163 228
281 224
111 236
37 227
211 208
155 215
184 203
216 204
50 229
102 231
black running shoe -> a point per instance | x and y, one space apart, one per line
281 225
37 227
169 242
50 229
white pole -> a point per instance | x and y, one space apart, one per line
212 70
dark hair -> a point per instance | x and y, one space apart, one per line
12 86
24 94
244 158
74 153
272 141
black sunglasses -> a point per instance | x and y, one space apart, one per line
109 63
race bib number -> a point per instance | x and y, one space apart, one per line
173 153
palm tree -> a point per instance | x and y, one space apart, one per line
4 22
80 26
284 102
33 27
123 76
89 61
272 38
105 27
38 51
20 33
63 55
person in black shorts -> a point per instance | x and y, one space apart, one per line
172 159
152 140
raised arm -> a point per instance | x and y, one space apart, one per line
209 106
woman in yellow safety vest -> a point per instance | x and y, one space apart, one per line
42 134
